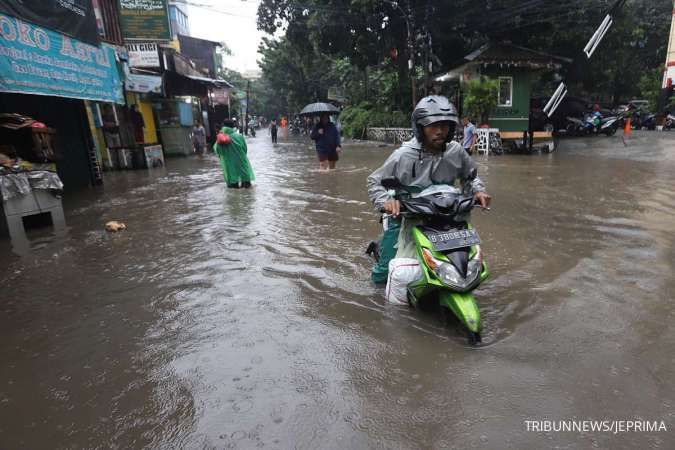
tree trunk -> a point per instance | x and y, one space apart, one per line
365 84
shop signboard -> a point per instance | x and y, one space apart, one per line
34 60
154 156
145 20
143 54
144 84
220 96
74 18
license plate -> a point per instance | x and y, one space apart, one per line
452 239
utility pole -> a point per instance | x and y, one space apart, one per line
428 68
411 52
248 88
407 16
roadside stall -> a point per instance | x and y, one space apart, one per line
175 120
29 184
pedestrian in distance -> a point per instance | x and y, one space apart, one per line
137 123
284 127
328 144
199 138
273 131
470 135
231 148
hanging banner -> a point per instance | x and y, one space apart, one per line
145 20
144 84
72 17
220 96
143 55
34 60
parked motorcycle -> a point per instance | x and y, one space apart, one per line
448 250
669 124
649 121
592 124
575 127
608 125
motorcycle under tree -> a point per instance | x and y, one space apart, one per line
448 249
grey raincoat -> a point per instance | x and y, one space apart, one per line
432 168
414 166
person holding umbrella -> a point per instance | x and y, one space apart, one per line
328 144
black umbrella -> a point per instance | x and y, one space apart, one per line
319 108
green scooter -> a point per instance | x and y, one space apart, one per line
448 250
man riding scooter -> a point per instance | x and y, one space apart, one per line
428 159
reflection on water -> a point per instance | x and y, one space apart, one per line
240 318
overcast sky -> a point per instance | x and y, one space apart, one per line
232 22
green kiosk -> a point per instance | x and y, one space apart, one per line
516 68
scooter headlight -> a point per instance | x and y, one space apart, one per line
449 275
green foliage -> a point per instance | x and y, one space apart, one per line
481 98
360 46
356 119
293 75
650 87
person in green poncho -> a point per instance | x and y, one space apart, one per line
231 148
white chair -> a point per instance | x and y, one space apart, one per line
483 139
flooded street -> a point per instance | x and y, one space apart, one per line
246 318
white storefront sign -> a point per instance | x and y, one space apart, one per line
143 54
144 83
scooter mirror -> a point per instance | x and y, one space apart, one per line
391 183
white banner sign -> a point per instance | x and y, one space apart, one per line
143 55
143 83
220 96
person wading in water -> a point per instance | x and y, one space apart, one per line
231 148
328 144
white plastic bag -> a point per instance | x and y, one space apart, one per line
402 272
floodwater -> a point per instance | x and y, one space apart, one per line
246 318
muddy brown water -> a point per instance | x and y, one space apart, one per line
246 318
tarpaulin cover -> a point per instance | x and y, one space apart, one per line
15 184
72 17
402 272
233 158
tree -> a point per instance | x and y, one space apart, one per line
294 76
364 43
481 98
650 87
